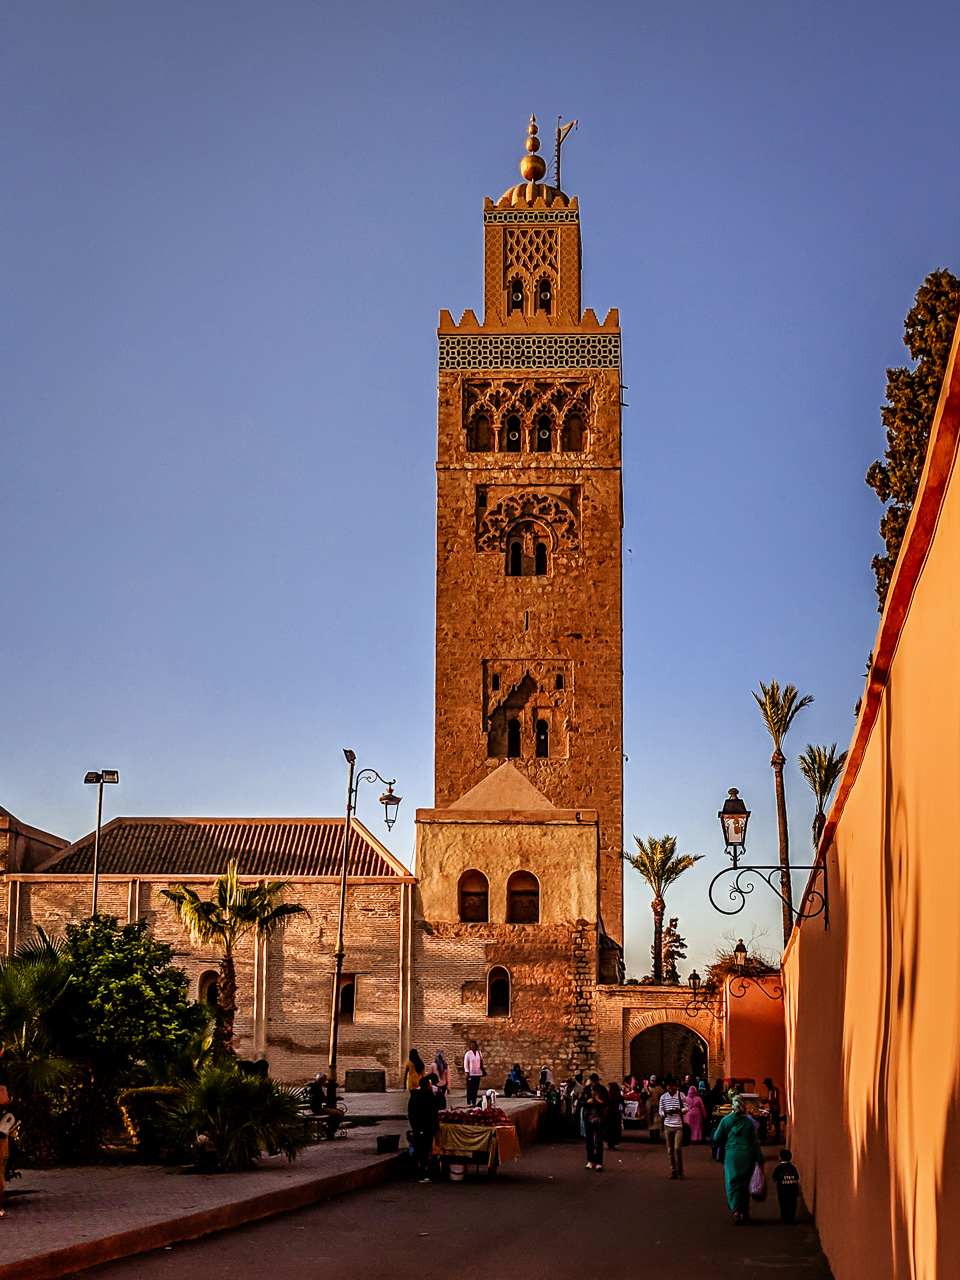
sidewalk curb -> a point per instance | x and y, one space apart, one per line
61 1262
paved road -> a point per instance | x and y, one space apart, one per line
544 1217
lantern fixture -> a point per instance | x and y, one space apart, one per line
734 817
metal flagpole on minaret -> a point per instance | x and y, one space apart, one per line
561 134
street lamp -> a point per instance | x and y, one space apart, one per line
742 980
390 803
734 817
698 1004
105 775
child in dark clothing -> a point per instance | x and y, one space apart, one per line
788 1186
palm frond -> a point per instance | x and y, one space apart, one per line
779 708
658 862
821 767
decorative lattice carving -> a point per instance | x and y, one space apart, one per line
526 399
531 351
529 250
550 510
519 217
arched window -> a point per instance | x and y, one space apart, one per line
523 898
544 296
544 435
498 993
514 437
513 739
515 559
207 989
474 896
540 559
480 435
348 996
514 296
559 680
571 440
543 739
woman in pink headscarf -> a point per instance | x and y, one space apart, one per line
696 1116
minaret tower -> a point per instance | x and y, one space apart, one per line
529 627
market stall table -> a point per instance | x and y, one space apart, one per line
485 1143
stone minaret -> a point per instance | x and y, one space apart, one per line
529 628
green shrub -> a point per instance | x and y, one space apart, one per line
230 1118
145 1114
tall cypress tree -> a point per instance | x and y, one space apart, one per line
912 396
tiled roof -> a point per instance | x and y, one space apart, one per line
184 847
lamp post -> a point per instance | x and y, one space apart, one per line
105 775
698 1004
742 979
734 817
390 804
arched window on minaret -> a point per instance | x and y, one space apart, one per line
514 434
544 434
480 435
540 557
474 895
543 298
571 439
543 740
513 739
515 559
515 297
523 898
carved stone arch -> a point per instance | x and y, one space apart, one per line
545 508
703 1024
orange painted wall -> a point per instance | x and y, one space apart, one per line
754 1030
873 1015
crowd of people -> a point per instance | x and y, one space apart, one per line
674 1112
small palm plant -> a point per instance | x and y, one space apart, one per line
660 865
33 994
821 766
234 911
231 1117
779 708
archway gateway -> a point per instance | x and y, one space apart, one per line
668 1048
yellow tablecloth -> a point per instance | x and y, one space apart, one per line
468 1139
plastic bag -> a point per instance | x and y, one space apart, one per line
758 1184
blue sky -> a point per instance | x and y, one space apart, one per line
228 229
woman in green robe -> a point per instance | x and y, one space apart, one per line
742 1152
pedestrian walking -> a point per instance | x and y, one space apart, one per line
594 1101
788 1186
773 1106
742 1153
696 1116
654 1092
414 1071
673 1108
423 1114
473 1070
441 1069
613 1121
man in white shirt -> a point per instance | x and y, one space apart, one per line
473 1070
673 1107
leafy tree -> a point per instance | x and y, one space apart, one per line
127 1006
234 911
674 949
660 865
912 396
779 708
821 766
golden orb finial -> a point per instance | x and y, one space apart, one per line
532 166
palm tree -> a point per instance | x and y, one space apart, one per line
33 993
779 708
234 911
660 865
821 766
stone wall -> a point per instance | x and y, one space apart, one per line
624 1011
551 1017
283 997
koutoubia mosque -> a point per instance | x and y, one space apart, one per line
510 931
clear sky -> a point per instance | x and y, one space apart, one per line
228 228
